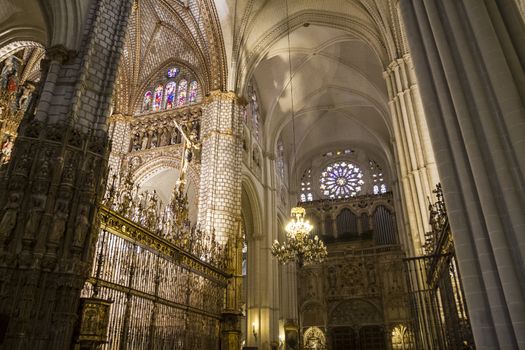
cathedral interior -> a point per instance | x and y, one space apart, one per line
262 174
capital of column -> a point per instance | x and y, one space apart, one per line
119 118
59 53
399 75
219 95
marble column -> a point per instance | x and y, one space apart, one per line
220 196
51 188
468 57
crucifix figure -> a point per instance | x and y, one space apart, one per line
191 146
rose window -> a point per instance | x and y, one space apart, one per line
341 180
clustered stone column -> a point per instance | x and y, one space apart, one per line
415 161
468 57
220 196
50 189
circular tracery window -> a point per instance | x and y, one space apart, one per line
341 180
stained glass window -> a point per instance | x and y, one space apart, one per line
146 104
338 152
172 72
182 92
255 114
192 98
378 180
176 91
157 100
306 187
170 94
341 180
280 159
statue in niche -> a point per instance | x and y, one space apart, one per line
7 148
175 137
144 141
69 172
180 203
136 143
371 276
154 140
151 210
25 97
8 222
82 226
8 70
311 291
164 138
38 201
59 220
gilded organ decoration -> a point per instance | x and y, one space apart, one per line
360 290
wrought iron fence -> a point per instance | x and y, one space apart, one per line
162 296
437 301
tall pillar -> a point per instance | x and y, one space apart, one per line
220 196
468 57
416 166
50 190
264 285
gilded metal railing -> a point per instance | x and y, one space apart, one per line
162 297
438 305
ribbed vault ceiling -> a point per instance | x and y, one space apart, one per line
339 51
162 32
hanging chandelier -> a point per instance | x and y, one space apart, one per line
299 247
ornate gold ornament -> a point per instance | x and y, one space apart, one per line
299 247
94 321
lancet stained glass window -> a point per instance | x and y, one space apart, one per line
177 90
157 99
378 179
170 94
341 180
306 186
181 94
192 97
146 104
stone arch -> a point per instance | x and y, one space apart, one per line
382 202
15 46
161 174
251 209
149 168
